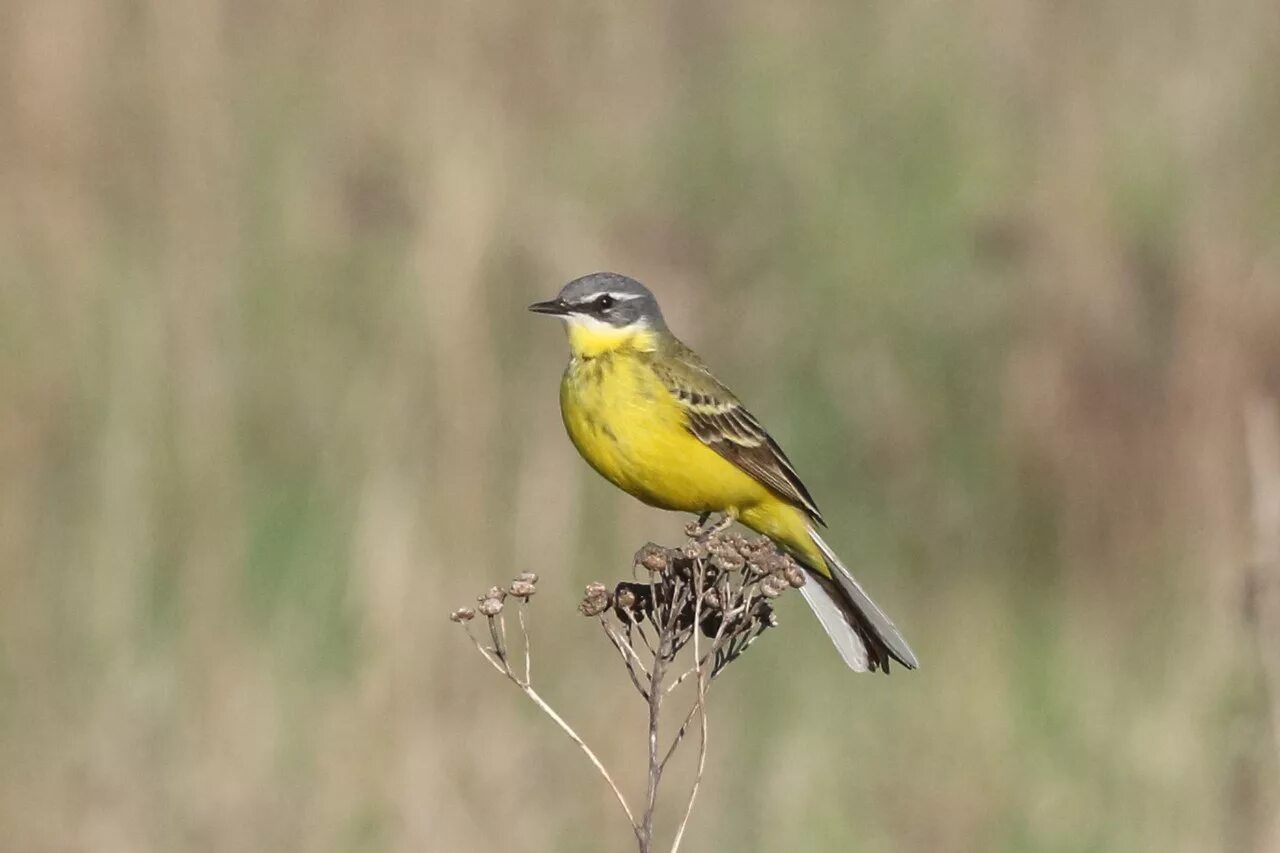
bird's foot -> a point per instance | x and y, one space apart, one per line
700 529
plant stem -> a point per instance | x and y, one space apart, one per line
573 735
645 835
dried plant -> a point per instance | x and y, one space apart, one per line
689 613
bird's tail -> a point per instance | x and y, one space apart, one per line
865 637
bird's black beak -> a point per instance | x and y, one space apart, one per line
555 307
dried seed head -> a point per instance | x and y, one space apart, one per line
768 562
594 605
490 606
772 586
652 558
634 600
527 577
493 592
463 614
795 576
728 560
595 599
694 550
711 599
522 589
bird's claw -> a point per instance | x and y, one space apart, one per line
701 530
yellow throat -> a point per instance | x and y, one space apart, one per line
590 338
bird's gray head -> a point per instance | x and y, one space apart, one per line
605 300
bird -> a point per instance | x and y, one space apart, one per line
651 418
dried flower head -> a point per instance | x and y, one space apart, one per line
773 586
493 592
715 586
463 614
728 560
490 606
527 577
694 549
522 589
653 558
595 599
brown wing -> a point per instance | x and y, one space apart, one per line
723 424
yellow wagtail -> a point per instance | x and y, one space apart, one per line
649 417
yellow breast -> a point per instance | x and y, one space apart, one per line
633 431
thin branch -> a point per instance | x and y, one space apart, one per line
623 648
680 733
655 713
568 730
702 715
639 628
484 650
700 660
528 651
498 630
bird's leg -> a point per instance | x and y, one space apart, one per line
697 529
725 522
701 530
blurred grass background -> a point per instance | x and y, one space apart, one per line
1001 276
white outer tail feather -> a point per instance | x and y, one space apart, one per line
831 613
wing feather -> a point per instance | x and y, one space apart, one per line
719 421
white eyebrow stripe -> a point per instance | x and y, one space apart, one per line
616 297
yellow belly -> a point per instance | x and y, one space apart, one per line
627 425
632 431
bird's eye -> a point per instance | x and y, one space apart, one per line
604 303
